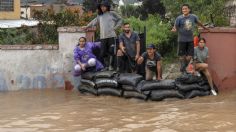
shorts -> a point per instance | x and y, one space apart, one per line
186 49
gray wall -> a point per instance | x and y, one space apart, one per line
22 67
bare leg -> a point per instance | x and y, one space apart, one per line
204 68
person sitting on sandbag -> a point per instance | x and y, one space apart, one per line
152 61
200 62
84 58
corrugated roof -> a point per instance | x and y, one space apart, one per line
17 23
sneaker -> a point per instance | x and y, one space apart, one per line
213 92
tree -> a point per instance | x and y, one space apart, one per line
152 7
207 10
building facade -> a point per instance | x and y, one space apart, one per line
9 9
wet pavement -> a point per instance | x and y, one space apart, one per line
68 111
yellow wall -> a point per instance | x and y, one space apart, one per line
12 15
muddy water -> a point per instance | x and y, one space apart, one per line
67 111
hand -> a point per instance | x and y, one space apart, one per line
123 49
136 57
140 60
83 67
173 29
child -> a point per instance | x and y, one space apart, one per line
84 58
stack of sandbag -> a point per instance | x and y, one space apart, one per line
192 86
129 82
159 90
106 83
87 83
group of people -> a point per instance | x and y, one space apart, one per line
127 53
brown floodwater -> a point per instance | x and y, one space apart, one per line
68 111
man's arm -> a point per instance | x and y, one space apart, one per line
137 50
158 76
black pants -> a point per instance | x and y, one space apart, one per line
126 64
108 50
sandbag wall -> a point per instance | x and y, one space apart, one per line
130 85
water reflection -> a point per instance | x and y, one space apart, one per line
59 110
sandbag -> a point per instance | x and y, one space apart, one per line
128 88
156 85
134 94
87 83
188 79
87 89
105 74
130 79
159 95
88 75
105 82
110 91
190 87
195 93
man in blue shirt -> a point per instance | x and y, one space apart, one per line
184 25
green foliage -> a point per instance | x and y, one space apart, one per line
16 36
204 9
129 10
158 32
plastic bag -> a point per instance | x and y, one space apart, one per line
190 87
110 91
105 82
156 85
188 79
195 93
130 79
87 83
87 89
134 94
88 75
159 95
105 74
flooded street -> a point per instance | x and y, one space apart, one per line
68 111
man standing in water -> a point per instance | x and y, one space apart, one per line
184 25
108 22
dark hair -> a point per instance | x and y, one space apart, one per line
187 5
82 38
126 23
202 39
100 10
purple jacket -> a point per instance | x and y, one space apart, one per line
84 55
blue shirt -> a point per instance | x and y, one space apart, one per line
185 26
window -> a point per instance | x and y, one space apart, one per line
6 5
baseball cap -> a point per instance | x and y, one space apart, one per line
151 46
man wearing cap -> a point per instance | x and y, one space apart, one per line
152 61
108 22
129 50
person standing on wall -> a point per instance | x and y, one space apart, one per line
184 25
108 22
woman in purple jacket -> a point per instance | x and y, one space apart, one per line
84 58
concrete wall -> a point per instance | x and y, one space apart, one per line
12 14
222 51
40 66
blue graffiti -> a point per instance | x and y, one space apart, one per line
58 81
39 82
23 82
3 84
